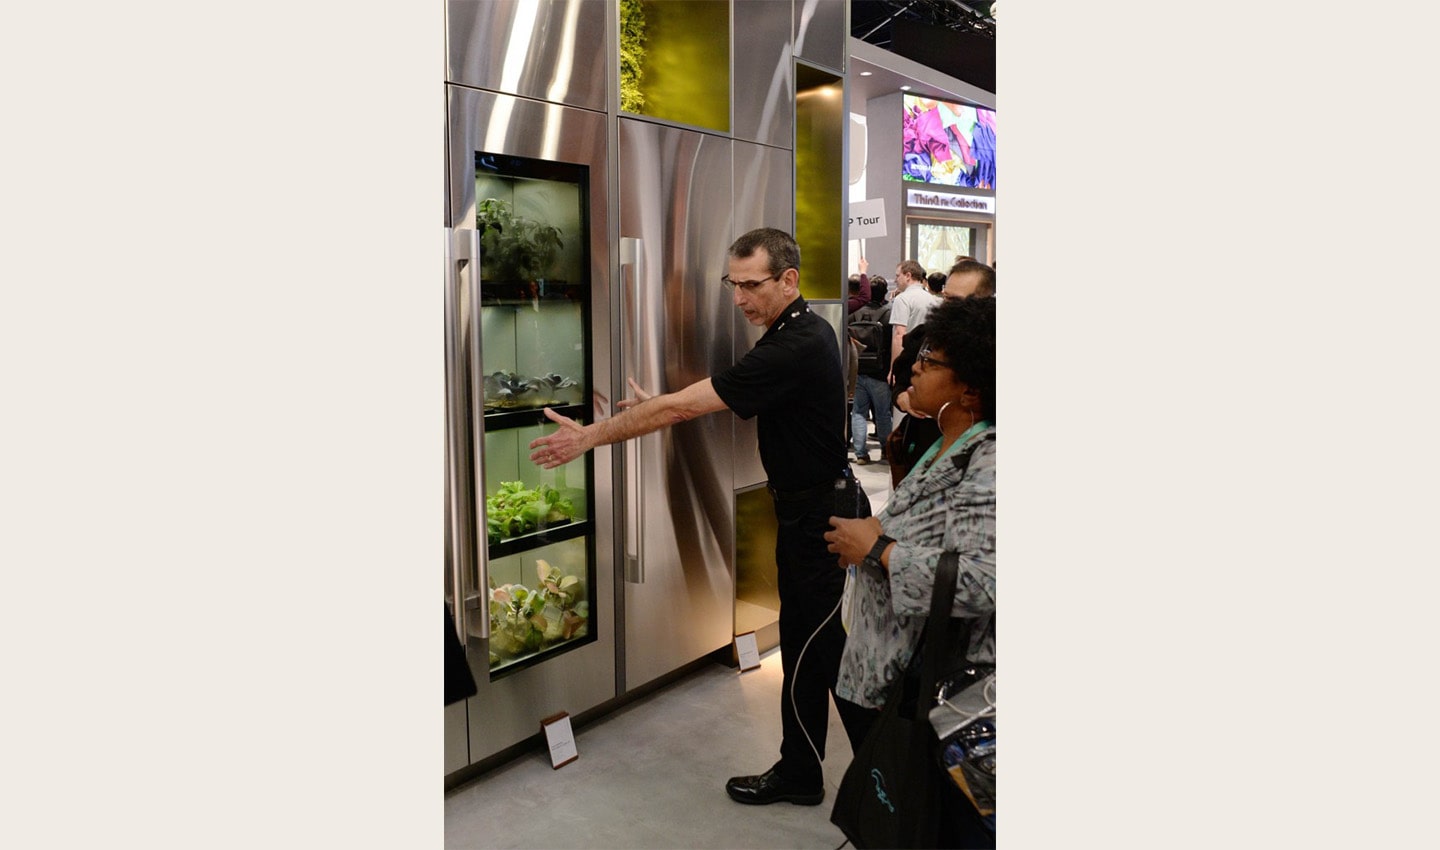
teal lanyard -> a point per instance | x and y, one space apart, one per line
954 447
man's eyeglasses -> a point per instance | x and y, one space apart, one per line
925 358
748 285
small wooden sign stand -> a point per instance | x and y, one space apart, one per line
560 739
747 651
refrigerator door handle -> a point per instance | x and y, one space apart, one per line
465 245
454 427
477 418
632 256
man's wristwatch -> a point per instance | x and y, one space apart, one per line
873 559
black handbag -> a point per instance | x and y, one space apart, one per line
892 793
459 683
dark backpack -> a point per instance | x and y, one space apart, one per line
870 326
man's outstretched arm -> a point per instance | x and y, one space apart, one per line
572 439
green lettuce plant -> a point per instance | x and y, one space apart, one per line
517 510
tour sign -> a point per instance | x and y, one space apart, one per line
867 219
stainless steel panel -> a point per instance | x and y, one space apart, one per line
482 121
764 78
834 313
822 28
675 198
507 710
764 197
546 49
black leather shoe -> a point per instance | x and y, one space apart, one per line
768 788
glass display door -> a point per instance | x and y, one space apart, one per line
531 550
535 343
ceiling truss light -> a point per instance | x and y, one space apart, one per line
948 14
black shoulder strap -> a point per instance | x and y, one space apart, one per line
937 630
940 627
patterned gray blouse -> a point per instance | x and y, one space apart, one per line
933 510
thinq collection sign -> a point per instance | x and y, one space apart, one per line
939 201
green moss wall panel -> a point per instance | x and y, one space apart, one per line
819 185
685 67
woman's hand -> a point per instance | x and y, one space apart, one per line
852 539
567 443
640 395
902 401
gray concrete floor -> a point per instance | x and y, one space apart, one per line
652 774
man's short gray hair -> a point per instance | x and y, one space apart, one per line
779 246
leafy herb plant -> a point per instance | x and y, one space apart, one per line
516 510
514 247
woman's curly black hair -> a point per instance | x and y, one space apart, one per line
961 331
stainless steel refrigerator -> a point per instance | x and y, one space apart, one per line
584 245
529 564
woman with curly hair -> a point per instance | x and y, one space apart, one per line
945 503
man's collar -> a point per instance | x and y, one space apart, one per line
792 310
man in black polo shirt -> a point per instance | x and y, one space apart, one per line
791 380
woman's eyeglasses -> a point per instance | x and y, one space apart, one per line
747 285
925 358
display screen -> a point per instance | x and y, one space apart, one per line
951 144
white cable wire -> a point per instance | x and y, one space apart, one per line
796 677
987 711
